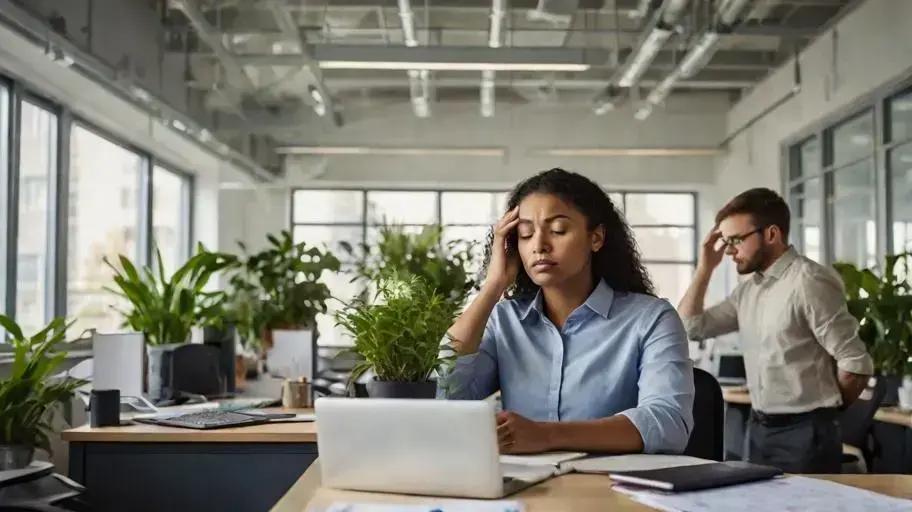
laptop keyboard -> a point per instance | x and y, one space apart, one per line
210 419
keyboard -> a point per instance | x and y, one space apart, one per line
208 420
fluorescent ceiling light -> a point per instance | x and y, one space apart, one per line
454 66
235 185
600 152
389 151
643 112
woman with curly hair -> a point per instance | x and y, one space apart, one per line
585 356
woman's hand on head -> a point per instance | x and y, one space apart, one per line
517 434
504 264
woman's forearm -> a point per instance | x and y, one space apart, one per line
616 434
468 329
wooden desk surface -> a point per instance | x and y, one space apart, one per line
579 493
893 415
142 433
736 395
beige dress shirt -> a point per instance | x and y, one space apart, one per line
795 330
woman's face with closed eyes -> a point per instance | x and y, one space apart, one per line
554 240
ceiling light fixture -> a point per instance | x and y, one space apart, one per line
389 151
454 66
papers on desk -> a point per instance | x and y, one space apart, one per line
447 506
792 493
574 462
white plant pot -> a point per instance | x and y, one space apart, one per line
905 394
292 354
156 355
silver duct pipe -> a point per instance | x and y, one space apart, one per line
697 56
419 80
498 11
660 30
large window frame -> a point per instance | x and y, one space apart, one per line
18 91
877 103
619 196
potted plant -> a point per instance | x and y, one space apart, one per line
165 308
883 306
444 267
29 395
398 335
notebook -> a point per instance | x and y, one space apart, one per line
562 463
692 478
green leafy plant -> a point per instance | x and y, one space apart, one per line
279 287
443 267
30 393
399 334
166 308
883 306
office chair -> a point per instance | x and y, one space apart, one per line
709 418
855 423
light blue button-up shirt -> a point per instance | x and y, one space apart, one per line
618 353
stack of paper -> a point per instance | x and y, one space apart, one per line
576 462
447 506
793 493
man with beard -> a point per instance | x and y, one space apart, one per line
802 355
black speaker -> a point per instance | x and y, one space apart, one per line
223 340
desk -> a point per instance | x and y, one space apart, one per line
577 493
892 432
150 467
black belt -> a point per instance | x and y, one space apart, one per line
781 420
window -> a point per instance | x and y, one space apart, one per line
4 195
899 163
170 217
832 192
37 167
99 171
664 227
662 222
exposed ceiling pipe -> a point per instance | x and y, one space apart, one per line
495 37
697 56
320 96
419 80
660 29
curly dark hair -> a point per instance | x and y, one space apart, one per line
618 260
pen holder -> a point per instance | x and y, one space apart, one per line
104 406
296 394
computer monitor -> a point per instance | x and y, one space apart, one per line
729 368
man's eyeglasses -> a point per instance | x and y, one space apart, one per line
736 240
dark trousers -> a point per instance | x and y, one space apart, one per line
808 442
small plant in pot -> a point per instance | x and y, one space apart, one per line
445 267
30 393
278 291
882 304
398 335
164 308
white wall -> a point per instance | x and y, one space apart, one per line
872 48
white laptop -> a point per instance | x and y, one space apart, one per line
427 447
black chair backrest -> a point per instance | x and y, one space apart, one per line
195 368
709 418
857 419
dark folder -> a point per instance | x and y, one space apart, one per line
702 476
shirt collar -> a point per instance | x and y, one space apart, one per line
778 268
599 301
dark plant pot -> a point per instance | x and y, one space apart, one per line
224 340
383 389
891 385
15 456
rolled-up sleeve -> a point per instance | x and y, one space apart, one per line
474 376
824 305
715 321
664 411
